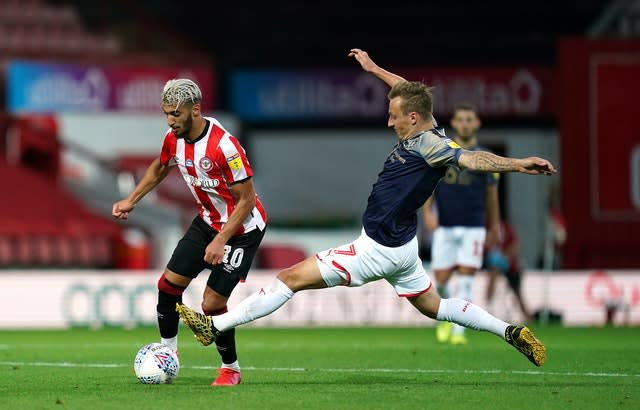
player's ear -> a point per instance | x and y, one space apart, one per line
195 110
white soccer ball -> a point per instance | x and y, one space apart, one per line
156 363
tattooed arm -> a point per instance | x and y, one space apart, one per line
487 162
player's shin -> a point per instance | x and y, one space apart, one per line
465 292
259 304
469 315
225 341
226 345
168 295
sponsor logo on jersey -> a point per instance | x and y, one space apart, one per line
451 143
201 182
234 161
189 163
206 163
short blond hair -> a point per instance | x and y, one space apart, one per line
179 91
416 97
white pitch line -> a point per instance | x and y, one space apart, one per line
336 370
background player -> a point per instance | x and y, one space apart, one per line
462 213
225 235
504 259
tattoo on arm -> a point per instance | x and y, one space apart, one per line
488 162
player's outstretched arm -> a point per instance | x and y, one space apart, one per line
154 174
487 162
369 66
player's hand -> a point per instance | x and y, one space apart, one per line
536 166
214 253
363 58
122 208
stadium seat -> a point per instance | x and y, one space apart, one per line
23 249
6 251
43 252
278 256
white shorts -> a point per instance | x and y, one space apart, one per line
457 246
364 260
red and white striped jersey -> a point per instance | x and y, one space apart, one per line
209 166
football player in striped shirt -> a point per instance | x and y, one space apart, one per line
225 234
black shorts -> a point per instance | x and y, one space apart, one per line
188 256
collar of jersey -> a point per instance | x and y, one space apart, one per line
438 131
201 136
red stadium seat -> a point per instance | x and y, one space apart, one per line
64 250
275 256
6 251
24 253
42 246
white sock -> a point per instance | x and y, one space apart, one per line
469 315
172 342
235 366
257 305
464 292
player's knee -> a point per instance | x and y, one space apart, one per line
213 302
427 303
168 288
168 295
289 277
213 309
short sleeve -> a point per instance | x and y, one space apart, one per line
438 151
168 151
232 160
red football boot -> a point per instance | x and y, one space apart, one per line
227 377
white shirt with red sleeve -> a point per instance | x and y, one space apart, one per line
209 166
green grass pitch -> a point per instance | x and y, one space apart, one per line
326 368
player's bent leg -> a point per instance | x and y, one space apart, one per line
171 286
472 316
427 303
215 303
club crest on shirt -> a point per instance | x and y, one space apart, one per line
234 161
206 163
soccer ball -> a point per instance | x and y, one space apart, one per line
156 363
